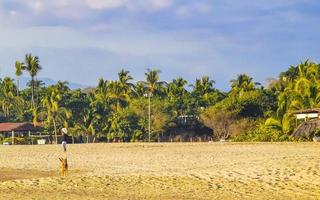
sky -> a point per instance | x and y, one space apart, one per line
83 40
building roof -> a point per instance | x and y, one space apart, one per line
24 126
306 129
306 111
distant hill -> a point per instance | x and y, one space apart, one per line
49 81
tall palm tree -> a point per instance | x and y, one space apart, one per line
53 112
124 78
178 96
101 92
203 86
177 87
19 70
117 94
202 89
152 83
33 67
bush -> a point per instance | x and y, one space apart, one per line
263 134
20 140
316 133
137 135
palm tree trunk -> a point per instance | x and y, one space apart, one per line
38 91
32 92
17 85
118 105
55 130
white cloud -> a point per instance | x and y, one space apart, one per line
160 4
12 13
212 38
129 4
36 6
189 10
104 4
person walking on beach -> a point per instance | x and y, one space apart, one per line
64 139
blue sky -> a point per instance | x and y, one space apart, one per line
83 40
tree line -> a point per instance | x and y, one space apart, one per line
119 109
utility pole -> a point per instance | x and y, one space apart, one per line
149 114
149 117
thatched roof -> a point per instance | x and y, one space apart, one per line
305 111
24 126
306 129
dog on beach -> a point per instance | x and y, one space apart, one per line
63 166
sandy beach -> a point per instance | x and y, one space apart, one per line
163 171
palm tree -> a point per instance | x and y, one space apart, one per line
177 88
242 84
101 92
8 100
297 88
19 70
117 94
33 67
203 86
124 79
62 87
153 86
152 83
53 112
201 90
88 124
178 96
139 89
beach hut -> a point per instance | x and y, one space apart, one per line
22 129
307 114
311 122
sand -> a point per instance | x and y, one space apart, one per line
163 171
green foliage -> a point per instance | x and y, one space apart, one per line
118 109
20 140
316 133
242 84
263 134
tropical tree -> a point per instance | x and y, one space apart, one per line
220 121
88 123
242 84
7 98
117 95
139 90
297 88
152 84
204 94
178 97
33 67
124 78
53 113
19 66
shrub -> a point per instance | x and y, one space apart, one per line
263 134
20 140
316 133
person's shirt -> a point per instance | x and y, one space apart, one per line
65 137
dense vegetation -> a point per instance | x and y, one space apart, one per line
119 109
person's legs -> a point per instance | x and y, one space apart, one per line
64 146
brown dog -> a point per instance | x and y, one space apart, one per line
63 166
